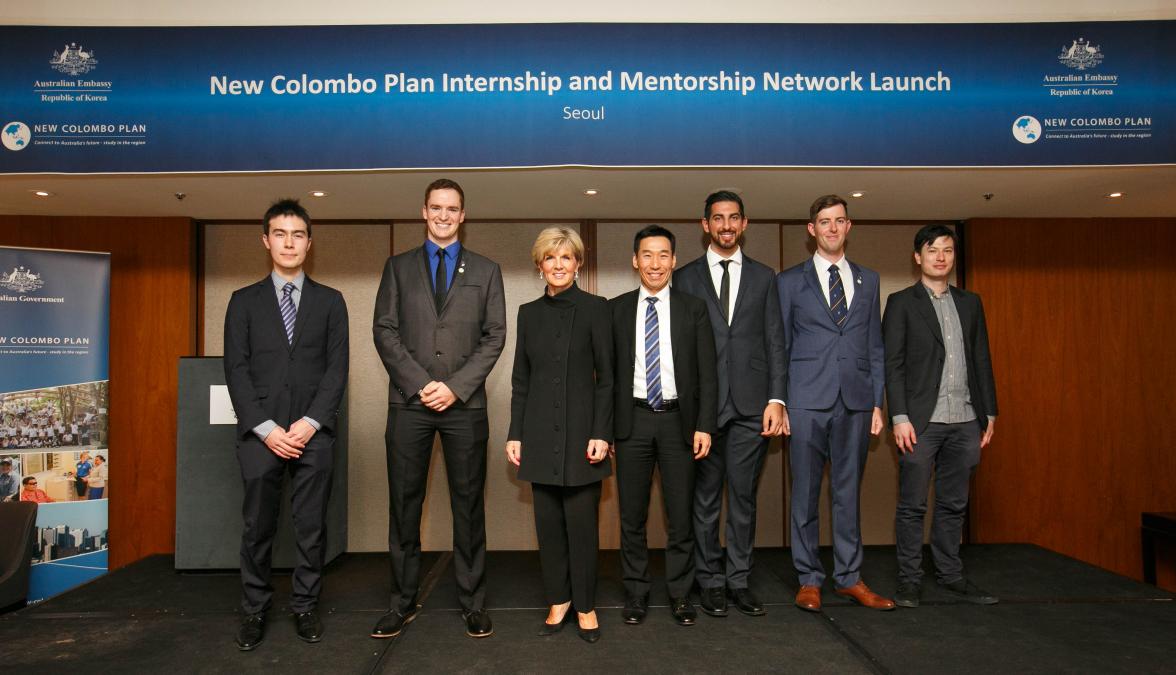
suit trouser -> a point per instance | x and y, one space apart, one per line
409 443
841 437
310 490
736 456
566 524
656 438
953 451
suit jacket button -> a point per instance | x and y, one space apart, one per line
556 380
437 354
557 427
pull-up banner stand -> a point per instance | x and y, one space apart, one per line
54 403
110 100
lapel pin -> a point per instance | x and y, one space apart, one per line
461 267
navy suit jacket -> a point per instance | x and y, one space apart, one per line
750 351
823 359
272 379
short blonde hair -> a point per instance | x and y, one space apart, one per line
553 239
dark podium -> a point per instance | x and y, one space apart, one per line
208 481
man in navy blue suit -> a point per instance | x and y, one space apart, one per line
836 364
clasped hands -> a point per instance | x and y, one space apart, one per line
437 396
289 444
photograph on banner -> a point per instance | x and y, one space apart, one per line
55 417
70 542
60 476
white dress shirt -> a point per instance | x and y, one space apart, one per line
847 278
734 270
665 348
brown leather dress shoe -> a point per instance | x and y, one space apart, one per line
862 595
808 598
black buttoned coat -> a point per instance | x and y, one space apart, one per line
562 387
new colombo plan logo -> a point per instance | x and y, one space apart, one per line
15 135
1027 129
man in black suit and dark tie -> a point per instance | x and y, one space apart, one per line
439 326
285 360
664 414
942 400
744 309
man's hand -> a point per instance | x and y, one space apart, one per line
773 420
302 431
283 444
597 450
514 452
876 422
987 437
437 397
904 437
702 443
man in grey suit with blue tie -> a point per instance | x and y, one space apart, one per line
439 327
744 311
836 364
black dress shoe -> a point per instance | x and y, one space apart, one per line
634 611
746 602
683 611
907 594
713 601
478 623
251 632
309 626
390 625
969 592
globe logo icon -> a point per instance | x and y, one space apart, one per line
1027 129
15 135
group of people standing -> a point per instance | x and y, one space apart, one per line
693 377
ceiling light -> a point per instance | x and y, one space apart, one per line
591 192
1114 195
42 193
857 194
317 193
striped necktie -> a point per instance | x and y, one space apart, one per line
653 389
837 296
289 311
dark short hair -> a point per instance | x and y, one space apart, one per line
27 480
285 207
653 231
445 184
929 233
100 457
825 202
722 196
5 462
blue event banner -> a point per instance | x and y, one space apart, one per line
214 99
56 325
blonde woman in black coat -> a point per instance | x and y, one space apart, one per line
561 425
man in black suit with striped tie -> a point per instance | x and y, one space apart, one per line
286 354
665 406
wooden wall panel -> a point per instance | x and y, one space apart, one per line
152 324
1081 318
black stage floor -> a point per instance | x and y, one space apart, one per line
1056 615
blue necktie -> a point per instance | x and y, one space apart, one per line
653 390
289 312
837 296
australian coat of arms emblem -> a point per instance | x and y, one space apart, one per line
1081 55
21 280
73 60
